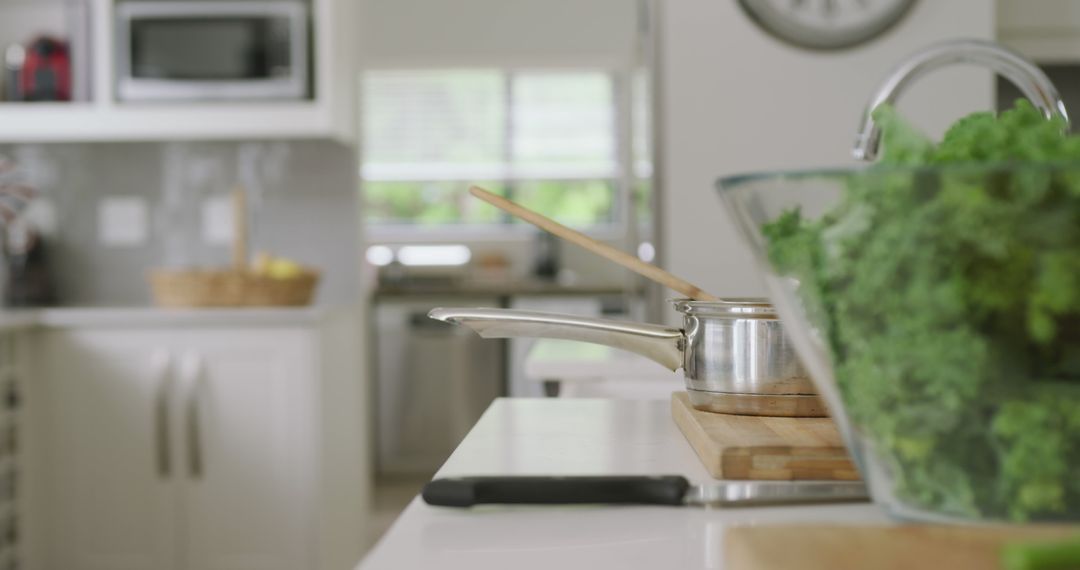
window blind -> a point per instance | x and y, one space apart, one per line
443 125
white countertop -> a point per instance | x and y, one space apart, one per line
151 316
577 437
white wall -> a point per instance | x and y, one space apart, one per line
518 32
734 99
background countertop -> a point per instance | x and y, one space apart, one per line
150 316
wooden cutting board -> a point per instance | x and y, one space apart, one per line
758 447
805 547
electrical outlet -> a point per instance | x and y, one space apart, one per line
217 220
123 221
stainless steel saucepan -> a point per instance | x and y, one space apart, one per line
734 354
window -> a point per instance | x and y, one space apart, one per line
546 139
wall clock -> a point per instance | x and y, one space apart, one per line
826 24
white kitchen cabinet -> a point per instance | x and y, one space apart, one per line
328 114
247 471
113 497
200 447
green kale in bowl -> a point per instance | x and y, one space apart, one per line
946 285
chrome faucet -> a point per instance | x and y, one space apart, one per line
1031 81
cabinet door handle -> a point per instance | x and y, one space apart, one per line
161 364
193 373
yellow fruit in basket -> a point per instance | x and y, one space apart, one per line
261 263
281 268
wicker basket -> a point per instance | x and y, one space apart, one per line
230 288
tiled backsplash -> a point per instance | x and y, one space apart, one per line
302 199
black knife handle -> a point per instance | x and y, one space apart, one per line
515 490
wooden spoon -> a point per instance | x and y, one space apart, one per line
624 259
240 229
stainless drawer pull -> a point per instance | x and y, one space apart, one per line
161 365
193 379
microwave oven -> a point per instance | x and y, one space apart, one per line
212 51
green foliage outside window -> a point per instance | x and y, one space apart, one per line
575 203
582 204
546 139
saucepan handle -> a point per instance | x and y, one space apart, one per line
659 343
609 490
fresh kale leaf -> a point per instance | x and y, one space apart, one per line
947 280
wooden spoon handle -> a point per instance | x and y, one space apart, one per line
624 259
240 229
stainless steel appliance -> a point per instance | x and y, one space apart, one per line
198 51
434 382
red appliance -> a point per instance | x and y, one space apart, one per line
46 73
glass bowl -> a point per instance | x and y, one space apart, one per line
937 312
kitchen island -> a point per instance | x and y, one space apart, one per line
578 437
